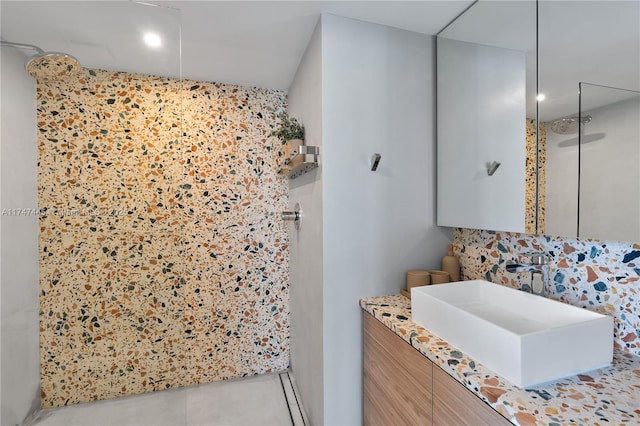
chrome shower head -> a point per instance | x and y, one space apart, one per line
52 65
569 125
47 65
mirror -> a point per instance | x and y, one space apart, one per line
609 143
588 52
486 63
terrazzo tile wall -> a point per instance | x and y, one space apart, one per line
531 179
602 276
163 261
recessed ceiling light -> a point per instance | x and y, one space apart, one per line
541 97
152 39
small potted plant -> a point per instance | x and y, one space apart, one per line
290 129
291 134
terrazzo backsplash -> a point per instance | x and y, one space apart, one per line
596 275
163 260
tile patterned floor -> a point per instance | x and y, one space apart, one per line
254 401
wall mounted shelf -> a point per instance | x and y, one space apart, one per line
299 160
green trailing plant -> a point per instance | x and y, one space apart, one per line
289 129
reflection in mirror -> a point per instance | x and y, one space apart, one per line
596 42
602 142
486 114
609 146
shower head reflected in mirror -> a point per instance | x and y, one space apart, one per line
47 65
569 125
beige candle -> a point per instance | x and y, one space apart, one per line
439 277
417 278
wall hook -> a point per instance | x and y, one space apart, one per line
375 160
492 167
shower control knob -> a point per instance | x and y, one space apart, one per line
295 216
289 216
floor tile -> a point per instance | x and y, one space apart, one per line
252 401
255 401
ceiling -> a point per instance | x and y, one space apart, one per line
260 43
253 43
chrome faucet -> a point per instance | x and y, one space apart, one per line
538 265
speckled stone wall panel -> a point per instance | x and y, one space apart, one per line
602 276
542 178
163 261
532 178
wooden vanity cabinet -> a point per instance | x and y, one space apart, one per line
453 404
403 387
397 379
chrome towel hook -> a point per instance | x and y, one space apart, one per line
492 167
375 160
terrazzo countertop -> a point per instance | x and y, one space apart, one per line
608 395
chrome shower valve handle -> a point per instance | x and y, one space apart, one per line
294 216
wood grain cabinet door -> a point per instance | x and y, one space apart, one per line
397 379
402 387
453 404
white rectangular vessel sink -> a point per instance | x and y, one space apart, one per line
525 338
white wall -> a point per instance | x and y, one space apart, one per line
305 262
378 95
19 333
609 207
360 89
481 119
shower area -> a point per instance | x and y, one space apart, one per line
141 243
594 153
